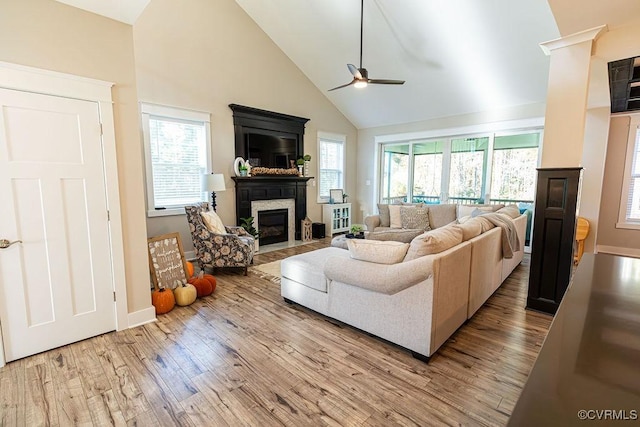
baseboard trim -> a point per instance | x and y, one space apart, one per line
141 317
616 250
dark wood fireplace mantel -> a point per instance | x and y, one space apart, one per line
253 188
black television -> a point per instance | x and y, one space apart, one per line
271 150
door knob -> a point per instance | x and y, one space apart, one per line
4 243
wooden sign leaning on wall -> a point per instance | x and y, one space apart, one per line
166 261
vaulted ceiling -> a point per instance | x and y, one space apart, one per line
457 56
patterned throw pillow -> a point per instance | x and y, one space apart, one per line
415 218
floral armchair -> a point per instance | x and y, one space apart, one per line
233 249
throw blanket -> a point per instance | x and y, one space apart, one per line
510 239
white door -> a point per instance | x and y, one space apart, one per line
56 286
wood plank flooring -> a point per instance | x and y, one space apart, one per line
243 357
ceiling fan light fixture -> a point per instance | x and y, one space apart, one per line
360 84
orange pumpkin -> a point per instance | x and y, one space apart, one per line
205 284
190 269
163 300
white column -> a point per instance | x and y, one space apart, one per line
567 95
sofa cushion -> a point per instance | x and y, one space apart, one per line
414 217
307 269
383 211
441 215
380 252
394 216
397 234
511 210
470 228
467 210
434 241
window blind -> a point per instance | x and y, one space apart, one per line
331 164
633 198
178 160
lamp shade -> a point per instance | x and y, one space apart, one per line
213 182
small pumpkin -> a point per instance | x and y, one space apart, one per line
190 269
185 294
205 284
163 300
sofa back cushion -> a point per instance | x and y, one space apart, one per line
383 211
434 241
510 210
441 215
470 228
468 210
378 251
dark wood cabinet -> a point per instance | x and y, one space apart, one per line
553 236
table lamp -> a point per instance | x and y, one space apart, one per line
213 182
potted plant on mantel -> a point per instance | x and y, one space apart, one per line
300 163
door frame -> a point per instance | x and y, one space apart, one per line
29 79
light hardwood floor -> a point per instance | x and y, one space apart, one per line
244 357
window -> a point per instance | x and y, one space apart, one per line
176 146
629 216
330 164
427 171
513 172
395 173
466 177
489 168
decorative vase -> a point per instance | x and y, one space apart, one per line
306 168
300 170
243 172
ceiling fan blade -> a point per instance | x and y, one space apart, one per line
340 87
386 82
354 70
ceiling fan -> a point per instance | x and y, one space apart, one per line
361 75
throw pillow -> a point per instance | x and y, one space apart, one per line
383 210
394 216
213 222
414 218
378 251
441 215
434 241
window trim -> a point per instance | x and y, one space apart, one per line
634 133
334 137
146 111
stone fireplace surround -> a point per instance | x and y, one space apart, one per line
266 205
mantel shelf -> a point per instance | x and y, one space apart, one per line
271 178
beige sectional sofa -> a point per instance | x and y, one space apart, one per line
417 303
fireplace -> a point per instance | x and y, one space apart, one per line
253 125
274 212
273 225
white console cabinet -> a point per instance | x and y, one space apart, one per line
336 217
